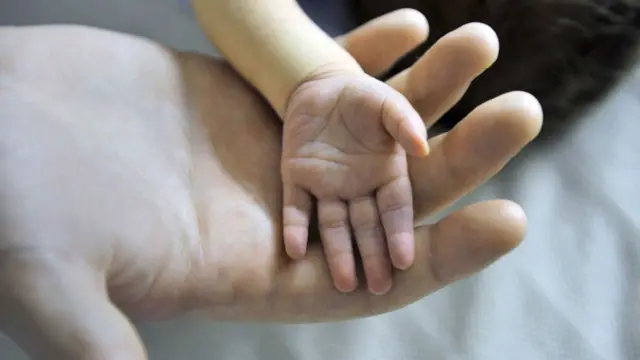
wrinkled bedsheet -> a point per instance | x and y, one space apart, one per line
571 291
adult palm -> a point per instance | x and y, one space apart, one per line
140 182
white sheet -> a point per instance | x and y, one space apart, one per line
571 291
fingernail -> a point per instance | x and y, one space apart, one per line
425 148
421 130
378 273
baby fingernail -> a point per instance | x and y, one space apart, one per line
377 270
402 253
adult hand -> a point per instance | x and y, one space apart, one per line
138 182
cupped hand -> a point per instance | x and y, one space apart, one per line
141 183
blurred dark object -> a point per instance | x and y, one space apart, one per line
568 53
336 17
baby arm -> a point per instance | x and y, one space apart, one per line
344 139
272 43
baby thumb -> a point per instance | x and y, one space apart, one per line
55 310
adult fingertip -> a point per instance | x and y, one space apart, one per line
475 237
412 24
532 113
485 40
515 224
413 19
523 112
503 222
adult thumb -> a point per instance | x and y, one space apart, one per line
56 310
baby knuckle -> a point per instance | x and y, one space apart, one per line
333 223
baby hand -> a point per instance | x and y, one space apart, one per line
344 142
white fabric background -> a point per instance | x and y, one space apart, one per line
571 291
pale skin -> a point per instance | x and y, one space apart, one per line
345 137
131 199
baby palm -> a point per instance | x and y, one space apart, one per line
344 144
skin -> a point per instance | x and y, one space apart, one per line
338 149
344 140
139 183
